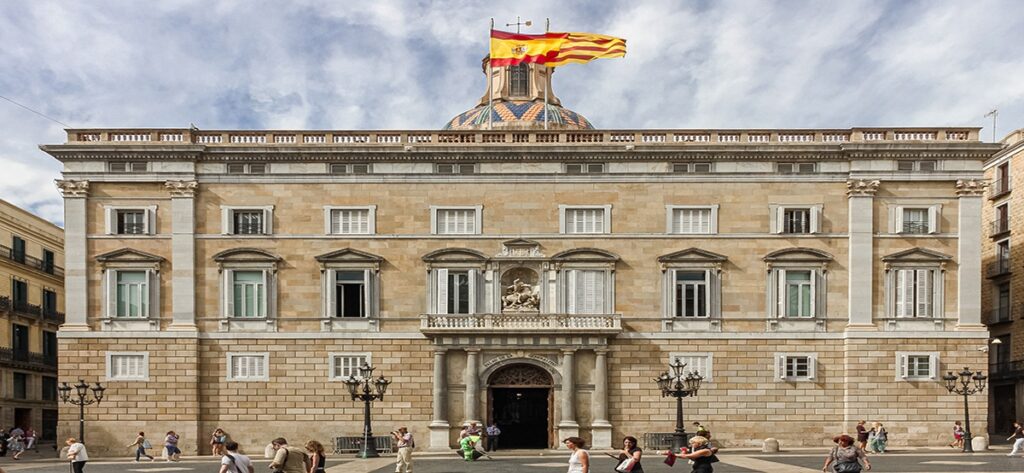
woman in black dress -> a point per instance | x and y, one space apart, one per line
702 455
629 449
317 461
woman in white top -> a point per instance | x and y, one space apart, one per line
579 462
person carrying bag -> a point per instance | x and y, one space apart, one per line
846 457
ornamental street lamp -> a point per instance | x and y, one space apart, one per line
678 384
360 388
960 383
82 390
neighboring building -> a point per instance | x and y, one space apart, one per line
496 270
1004 221
32 309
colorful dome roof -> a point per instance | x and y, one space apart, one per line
518 115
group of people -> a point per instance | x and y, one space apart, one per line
850 456
475 442
16 440
700 454
872 440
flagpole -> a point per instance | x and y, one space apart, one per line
490 81
547 78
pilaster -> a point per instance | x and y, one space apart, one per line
567 426
439 428
76 302
183 254
472 379
968 276
861 195
601 429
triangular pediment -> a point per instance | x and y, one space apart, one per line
240 255
349 255
586 254
520 242
916 255
128 255
798 255
695 255
455 255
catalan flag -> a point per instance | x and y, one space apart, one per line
552 49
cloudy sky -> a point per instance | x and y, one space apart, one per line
414 64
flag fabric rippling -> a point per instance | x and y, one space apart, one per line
553 49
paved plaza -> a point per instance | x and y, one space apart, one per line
919 461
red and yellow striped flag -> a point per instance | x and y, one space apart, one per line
553 49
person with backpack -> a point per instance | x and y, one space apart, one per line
141 445
288 459
234 462
846 457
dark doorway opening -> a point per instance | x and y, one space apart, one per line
23 418
49 432
522 415
1005 410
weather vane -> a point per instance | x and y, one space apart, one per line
519 22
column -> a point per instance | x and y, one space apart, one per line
439 428
567 426
861 195
183 254
76 302
601 430
472 379
968 276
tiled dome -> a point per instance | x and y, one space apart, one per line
519 115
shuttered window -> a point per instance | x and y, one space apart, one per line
689 220
344 365
350 221
699 363
456 222
247 367
915 292
585 291
585 220
127 366
247 222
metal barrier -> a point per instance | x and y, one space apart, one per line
355 444
661 440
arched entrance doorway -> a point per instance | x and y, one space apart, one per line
520 400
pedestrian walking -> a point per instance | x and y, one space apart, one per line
16 444
701 453
171 446
846 457
141 444
958 435
630 451
405 443
234 462
217 441
30 439
579 461
288 459
1017 437
879 438
862 435
77 455
317 459
493 432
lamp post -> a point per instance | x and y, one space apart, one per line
367 389
82 390
678 384
961 383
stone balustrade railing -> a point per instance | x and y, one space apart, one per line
794 137
519 322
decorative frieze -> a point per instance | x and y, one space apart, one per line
970 188
862 187
71 188
182 188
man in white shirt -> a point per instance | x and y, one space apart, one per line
234 462
77 455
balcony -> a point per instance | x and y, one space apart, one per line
1000 267
998 227
515 323
35 263
999 315
26 360
998 188
1006 369
30 310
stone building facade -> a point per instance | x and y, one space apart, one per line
32 309
538 277
1003 221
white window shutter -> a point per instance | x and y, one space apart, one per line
442 291
225 221
899 220
268 221
904 370
815 219
781 296
265 300
471 279
933 219
933 366
109 220
229 293
331 287
328 224
812 367
815 274
780 215
149 294
780 367
111 279
570 291
924 299
600 297
368 302
150 221
901 293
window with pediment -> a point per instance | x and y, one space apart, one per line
586 281
797 283
248 284
350 283
692 284
914 283
455 281
131 284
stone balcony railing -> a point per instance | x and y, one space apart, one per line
667 138
521 323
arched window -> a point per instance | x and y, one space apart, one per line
519 81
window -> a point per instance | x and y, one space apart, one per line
797 290
456 220
586 219
447 168
127 166
247 220
350 288
132 294
456 290
795 366
691 168
344 365
917 366
1001 185
19 342
692 220
1001 312
585 291
695 362
49 388
1001 224
691 293
928 165
49 302
248 367
130 220
798 294
248 294
584 168
796 168
20 386
916 220
18 249
795 219
519 80
48 261
127 366
353 168
19 293
350 220
915 292
243 168
50 346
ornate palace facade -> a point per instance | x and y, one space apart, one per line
540 278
